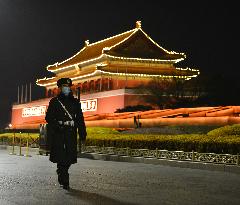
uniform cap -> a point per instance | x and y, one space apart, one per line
62 81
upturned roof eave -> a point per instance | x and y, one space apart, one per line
121 58
182 56
57 65
186 73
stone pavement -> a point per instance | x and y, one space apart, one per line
33 181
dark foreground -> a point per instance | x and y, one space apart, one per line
33 181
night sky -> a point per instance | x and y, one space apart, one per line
36 33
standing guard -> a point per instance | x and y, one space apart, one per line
65 119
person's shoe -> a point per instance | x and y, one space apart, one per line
60 180
66 186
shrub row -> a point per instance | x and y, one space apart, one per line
7 138
211 142
199 143
225 131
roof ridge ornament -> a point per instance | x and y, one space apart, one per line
86 43
138 24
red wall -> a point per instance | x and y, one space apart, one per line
107 102
17 112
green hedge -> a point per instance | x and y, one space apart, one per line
226 131
7 138
101 131
199 143
173 129
186 142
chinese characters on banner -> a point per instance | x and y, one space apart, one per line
34 111
87 105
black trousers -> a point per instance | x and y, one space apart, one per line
63 175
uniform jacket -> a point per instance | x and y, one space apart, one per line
63 139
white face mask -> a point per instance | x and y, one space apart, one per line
66 90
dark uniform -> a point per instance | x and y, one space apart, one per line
62 133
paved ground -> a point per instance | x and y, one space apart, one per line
33 181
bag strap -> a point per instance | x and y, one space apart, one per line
65 109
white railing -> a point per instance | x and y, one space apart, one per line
168 155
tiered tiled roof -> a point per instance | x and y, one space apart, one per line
131 44
140 46
92 51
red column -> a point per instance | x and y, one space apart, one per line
110 83
103 84
73 88
88 86
80 85
85 86
98 84
46 93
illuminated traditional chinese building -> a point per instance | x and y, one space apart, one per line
109 71
113 67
